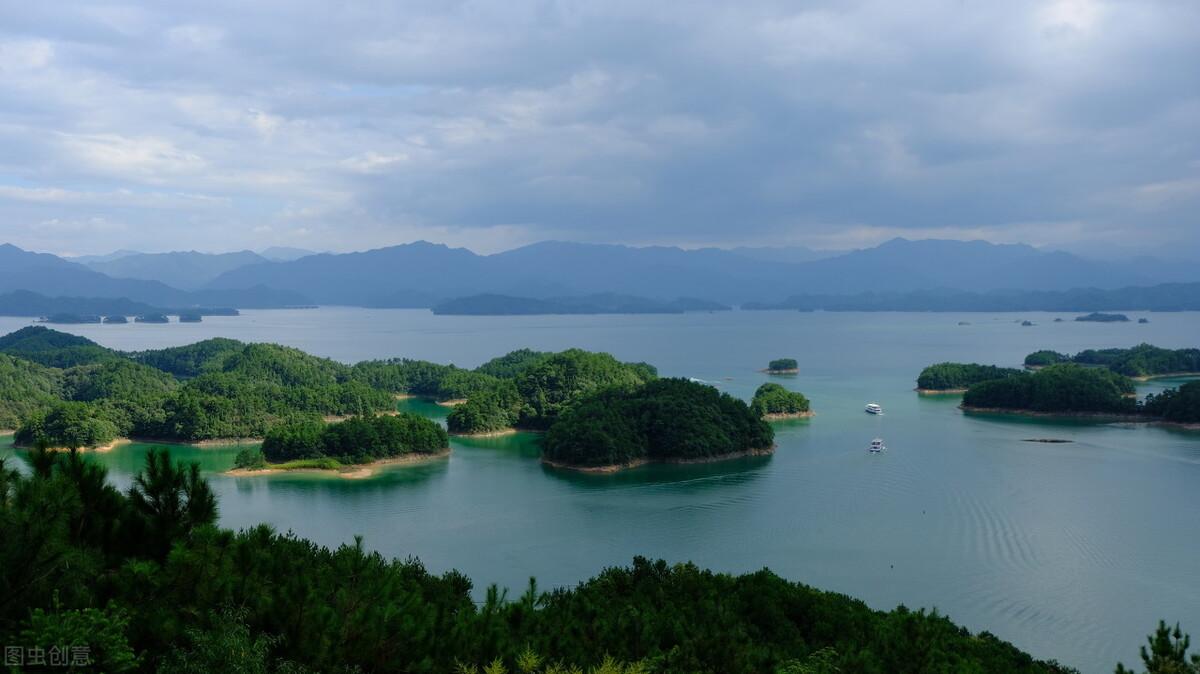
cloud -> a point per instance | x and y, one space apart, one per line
490 124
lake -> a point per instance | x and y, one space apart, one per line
1071 551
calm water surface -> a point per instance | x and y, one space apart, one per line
1071 551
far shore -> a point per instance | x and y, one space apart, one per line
347 472
612 468
940 391
1097 416
780 416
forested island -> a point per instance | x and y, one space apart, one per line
1097 317
145 580
1143 361
944 378
312 444
664 420
783 366
772 401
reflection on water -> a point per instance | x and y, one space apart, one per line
1072 550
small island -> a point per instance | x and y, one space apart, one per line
115 319
190 317
1097 317
1027 323
955 378
353 448
1143 321
664 421
1142 362
783 366
71 319
772 401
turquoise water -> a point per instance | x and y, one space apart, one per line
1071 551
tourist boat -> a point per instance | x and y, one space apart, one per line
877 446
874 408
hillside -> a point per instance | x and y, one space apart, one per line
186 270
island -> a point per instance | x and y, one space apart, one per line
190 317
71 319
1142 362
1097 317
116 319
955 378
664 421
530 389
783 366
772 401
352 448
1143 321
1061 389
1027 324
152 318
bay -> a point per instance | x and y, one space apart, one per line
1071 551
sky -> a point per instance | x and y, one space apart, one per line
1070 124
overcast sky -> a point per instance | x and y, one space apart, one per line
338 126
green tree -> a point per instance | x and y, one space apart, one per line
1167 653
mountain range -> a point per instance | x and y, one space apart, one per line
424 274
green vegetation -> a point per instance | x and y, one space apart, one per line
1065 387
72 319
541 387
775 399
663 420
192 360
147 582
956 376
356 440
24 388
1143 360
250 458
512 363
1044 358
55 349
783 365
1167 653
1097 317
1179 405
422 378
69 424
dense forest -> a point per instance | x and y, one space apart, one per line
535 387
1179 405
663 420
354 440
787 365
1143 360
145 582
773 399
1064 387
957 376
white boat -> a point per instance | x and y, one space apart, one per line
874 408
877 446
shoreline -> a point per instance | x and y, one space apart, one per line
780 416
100 449
1165 375
213 442
1107 417
791 370
490 434
940 391
616 467
356 471
453 402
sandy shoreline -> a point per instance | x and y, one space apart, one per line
214 442
453 402
1167 375
940 391
350 472
612 468
108 447
490 434
792 370
334 418
780 416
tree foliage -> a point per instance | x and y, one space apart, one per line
1143 360
772 398
780 364
355 440
665 419
1064 387
950 376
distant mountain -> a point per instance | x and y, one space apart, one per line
790 254
115 255
424 274
182 269
1161 297
606 303
53 276
284 253
25 303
